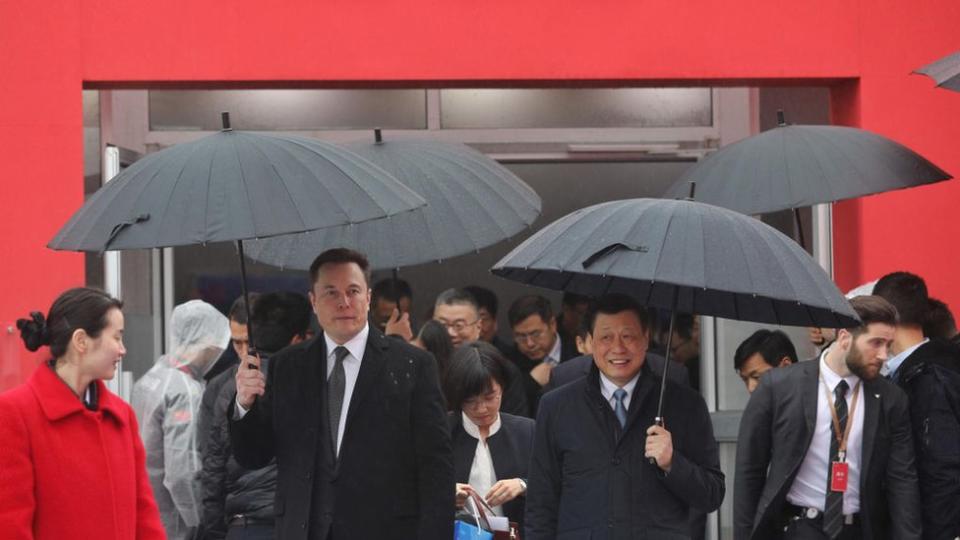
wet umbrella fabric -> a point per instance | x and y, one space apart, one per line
472 202
795 166
681 256
233 186
946 72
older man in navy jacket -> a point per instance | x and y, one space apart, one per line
591 474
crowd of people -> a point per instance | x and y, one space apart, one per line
334 415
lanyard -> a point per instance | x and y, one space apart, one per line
841 437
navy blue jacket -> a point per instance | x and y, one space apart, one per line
590 480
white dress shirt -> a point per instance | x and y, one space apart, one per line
892 365
351 369
608 387
553 357
809 489
482 474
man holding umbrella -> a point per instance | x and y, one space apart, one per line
355 420
601 467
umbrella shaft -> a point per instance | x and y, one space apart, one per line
246 299
666 366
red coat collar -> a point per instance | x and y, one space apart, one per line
58 401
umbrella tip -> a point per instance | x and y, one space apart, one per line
225 119
781 120
377 136
693 190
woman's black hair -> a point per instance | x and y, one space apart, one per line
436 340
83 308
473 367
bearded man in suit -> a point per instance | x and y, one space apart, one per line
825 448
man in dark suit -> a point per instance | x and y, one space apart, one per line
355 420
792 481
539 347
591 474
762 351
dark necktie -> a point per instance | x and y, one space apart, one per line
336 386
833 509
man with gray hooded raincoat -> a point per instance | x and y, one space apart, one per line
167 401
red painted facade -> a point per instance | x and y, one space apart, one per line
864 50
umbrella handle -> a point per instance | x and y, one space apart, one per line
658 421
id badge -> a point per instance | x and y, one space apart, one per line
839 471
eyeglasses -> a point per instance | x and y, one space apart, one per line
532 336
489 399
458 325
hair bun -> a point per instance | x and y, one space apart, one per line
33 331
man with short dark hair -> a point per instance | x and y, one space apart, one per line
458 311
825 450
390 306
591 474
928 370
237 502
939 321
573 309
355 419
488 305
761 352
538 347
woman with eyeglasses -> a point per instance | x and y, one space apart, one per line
491 450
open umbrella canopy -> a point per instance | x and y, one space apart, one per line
233 186
682 256
945 72
796 166
472 202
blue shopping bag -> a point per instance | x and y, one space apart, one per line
465 531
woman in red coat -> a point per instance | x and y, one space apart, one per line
71 460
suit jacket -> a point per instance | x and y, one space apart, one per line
579 367
568 350
589 478
394 475
775 433
510 449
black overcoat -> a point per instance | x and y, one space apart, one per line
394 475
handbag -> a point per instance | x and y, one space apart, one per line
507 530
463 530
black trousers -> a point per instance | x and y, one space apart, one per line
250 532
812 529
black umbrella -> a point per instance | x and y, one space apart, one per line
681 256
472 202
789 167
945 72
233 186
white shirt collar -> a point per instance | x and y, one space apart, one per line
893 364
553 357
831 377
357 344
608 387
474 431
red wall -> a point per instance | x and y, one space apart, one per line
48 51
